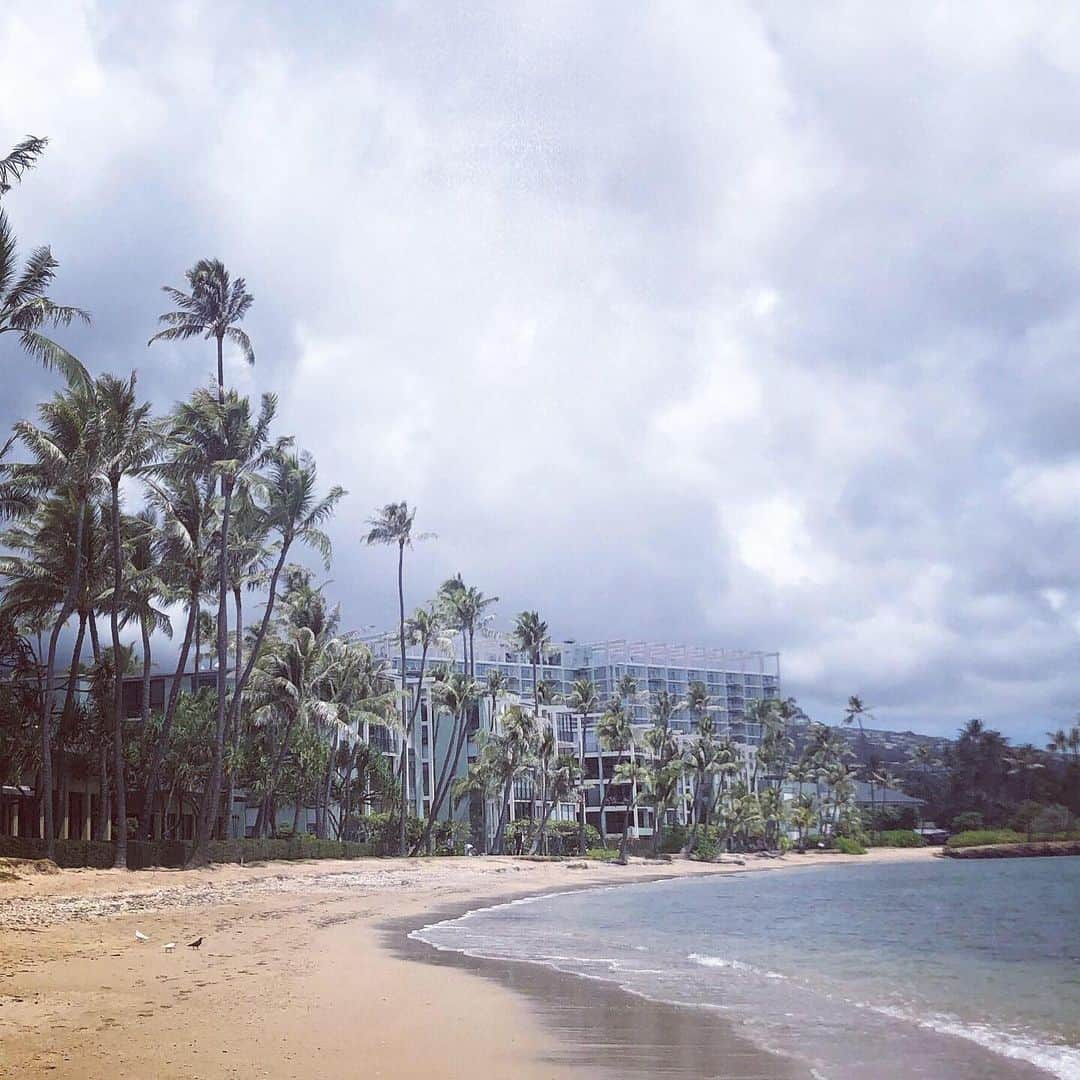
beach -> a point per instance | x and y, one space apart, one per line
306 969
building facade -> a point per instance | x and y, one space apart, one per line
732 679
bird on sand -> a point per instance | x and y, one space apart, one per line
169 946
140 936
194 944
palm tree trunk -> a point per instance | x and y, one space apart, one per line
120 855
603 795
73 669
50 673
504 813
211 804
153 774
404 699
220 372
624 843
230 797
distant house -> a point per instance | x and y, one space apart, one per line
867 794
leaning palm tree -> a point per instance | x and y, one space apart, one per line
25 305
393 526
210 310
129 442
583 701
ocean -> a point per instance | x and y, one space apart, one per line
943 968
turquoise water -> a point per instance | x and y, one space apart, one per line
933 969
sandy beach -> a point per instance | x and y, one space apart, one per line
305 969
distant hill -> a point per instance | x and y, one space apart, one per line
892 747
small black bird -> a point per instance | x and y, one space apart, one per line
195 944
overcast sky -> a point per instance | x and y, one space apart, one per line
748 325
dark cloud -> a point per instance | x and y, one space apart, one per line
749 326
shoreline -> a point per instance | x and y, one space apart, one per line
297 965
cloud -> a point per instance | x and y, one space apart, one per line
736 325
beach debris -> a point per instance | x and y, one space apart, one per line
169 946
195 944
140 936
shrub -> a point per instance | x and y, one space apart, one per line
70 854
706 848
979 837
674 839
600 854
847 846
969 821
903 838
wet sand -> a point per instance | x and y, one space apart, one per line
295 979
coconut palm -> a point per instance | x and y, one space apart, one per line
508 756
614 735
66 449
128 444
457 695
855 713
561 784
211 310
221 439
464 607
531 637
639 778
393 526
583 701
182 549
25 306
546 752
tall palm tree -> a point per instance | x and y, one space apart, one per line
855 713
129 442
531 637
25 305
614 734
211 310
464 607
393 526
583 701
67 450
221 440
183 553
508 754
457 695
547 751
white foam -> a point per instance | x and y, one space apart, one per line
733 965
1057 1059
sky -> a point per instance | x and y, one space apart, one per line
744 325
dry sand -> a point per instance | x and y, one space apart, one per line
303 973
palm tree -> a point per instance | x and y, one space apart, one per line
25 306
638 778
211 309
561 783
393 526
67 451
614 734
583 701
182 550
531 637
547 751
508 755
700 760
464 607
128 445
221 439
856 710
457 695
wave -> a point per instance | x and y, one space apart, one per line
1055 1058
733 965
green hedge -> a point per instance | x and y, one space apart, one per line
897 838
978 837
983 837
70 854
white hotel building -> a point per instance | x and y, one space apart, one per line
732 680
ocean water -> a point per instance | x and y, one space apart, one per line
944 968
